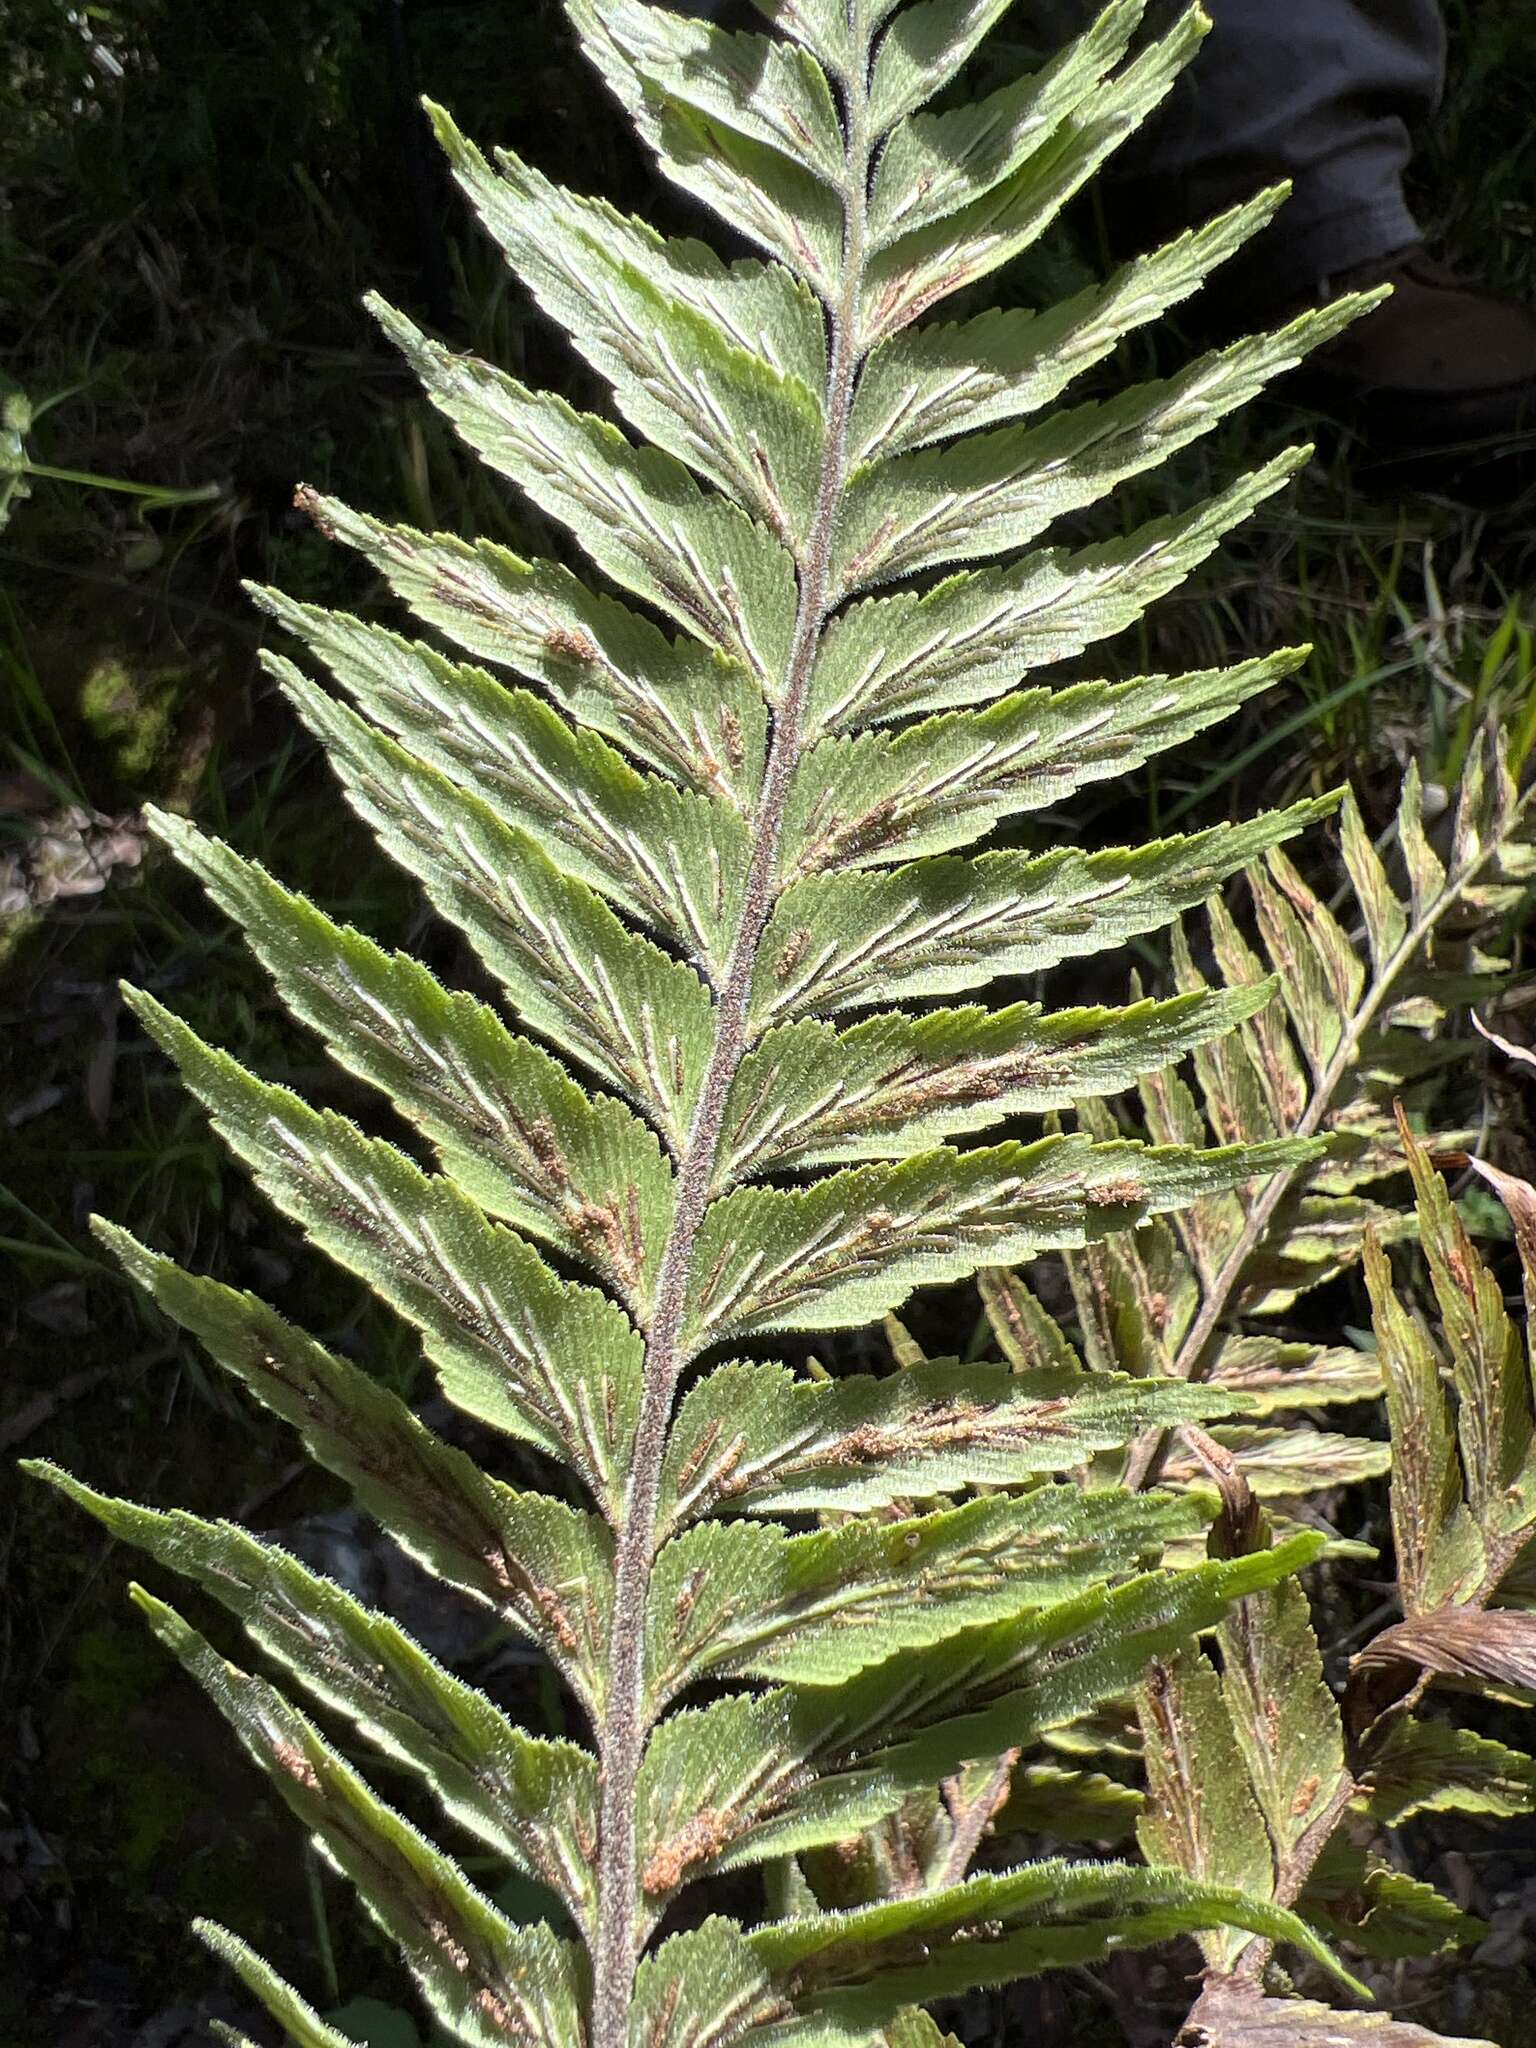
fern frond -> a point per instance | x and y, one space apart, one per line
673 705
949 780
754 1437
860 1967
707 873
299 2020
1464 1482
1363 993
809 1095
1433 1767
515 758
930 382
1253 1773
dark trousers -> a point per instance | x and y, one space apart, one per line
1321 92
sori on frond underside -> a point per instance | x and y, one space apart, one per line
713 814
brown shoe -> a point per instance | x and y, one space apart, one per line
1441 366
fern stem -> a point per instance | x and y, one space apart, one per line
1295 1869
973 1818
1196 1354
626 1723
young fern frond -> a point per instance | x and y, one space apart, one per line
1363 993
706 871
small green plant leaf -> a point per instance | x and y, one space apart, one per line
600 992
541 1565
1201 1814
748 1600
854 1245
301 2023
672 705
637 512
704 1989
999 490
809 1095
735 1783
935 164
923 49
916 270
1282 1463
1029 1338
754 87
1488 1363
938 926
1284 1718
698 112
510 1126
1356 1897
975 634
861 1966
511 1342
1279 1375
1071 1806
932 787
755 1437
1435 1767
598 817
723 402
928 383
1426 870
1051 1669
1426 1484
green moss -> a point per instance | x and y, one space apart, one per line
114 1669
139 1802
13 933
151 1803
129 717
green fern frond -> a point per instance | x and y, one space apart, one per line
1364 994
708 827
1256 1776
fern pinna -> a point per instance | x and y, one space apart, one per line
712 873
